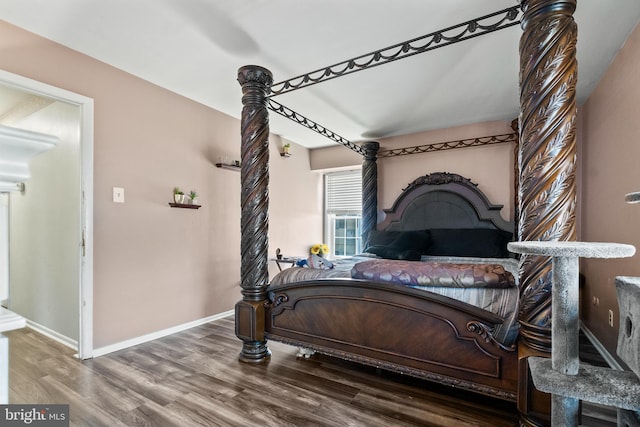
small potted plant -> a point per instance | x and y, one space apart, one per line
285 148
193 198
178 195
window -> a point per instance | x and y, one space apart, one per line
343 212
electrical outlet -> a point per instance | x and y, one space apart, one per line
611 318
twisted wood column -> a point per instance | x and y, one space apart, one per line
369 188
547 159
254 224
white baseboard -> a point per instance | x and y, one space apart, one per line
56 336
611 361
159 334
10 320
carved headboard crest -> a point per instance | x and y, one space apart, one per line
442 200
438 178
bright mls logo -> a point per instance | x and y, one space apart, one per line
34 415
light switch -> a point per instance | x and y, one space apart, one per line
118 195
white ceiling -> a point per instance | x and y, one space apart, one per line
195 47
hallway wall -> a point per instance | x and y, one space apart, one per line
44 227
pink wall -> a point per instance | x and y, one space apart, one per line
296 202
156 267
611 152
335 157
491 167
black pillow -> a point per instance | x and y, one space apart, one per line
381 238
376 250
469 242
390 252
400 241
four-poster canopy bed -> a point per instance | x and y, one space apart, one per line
425 334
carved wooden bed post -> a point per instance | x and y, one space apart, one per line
547 159
369 189
256 82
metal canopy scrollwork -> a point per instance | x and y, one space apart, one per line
470 29
445 37
310 124
450 145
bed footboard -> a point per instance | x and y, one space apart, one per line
398 329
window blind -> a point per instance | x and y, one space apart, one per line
344 192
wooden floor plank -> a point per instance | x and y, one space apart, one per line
194 378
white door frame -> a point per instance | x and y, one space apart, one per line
85 340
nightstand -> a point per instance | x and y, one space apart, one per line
286 261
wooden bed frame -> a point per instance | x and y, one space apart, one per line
441 339
545 210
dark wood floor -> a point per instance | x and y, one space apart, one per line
194 378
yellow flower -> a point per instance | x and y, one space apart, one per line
319 249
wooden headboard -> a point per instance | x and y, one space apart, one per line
443 200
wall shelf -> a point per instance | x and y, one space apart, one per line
285 154
226 166
632 198
184 205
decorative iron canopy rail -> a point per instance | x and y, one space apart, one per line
310 124
466 30
450 145
427 148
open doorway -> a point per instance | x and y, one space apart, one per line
51 221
